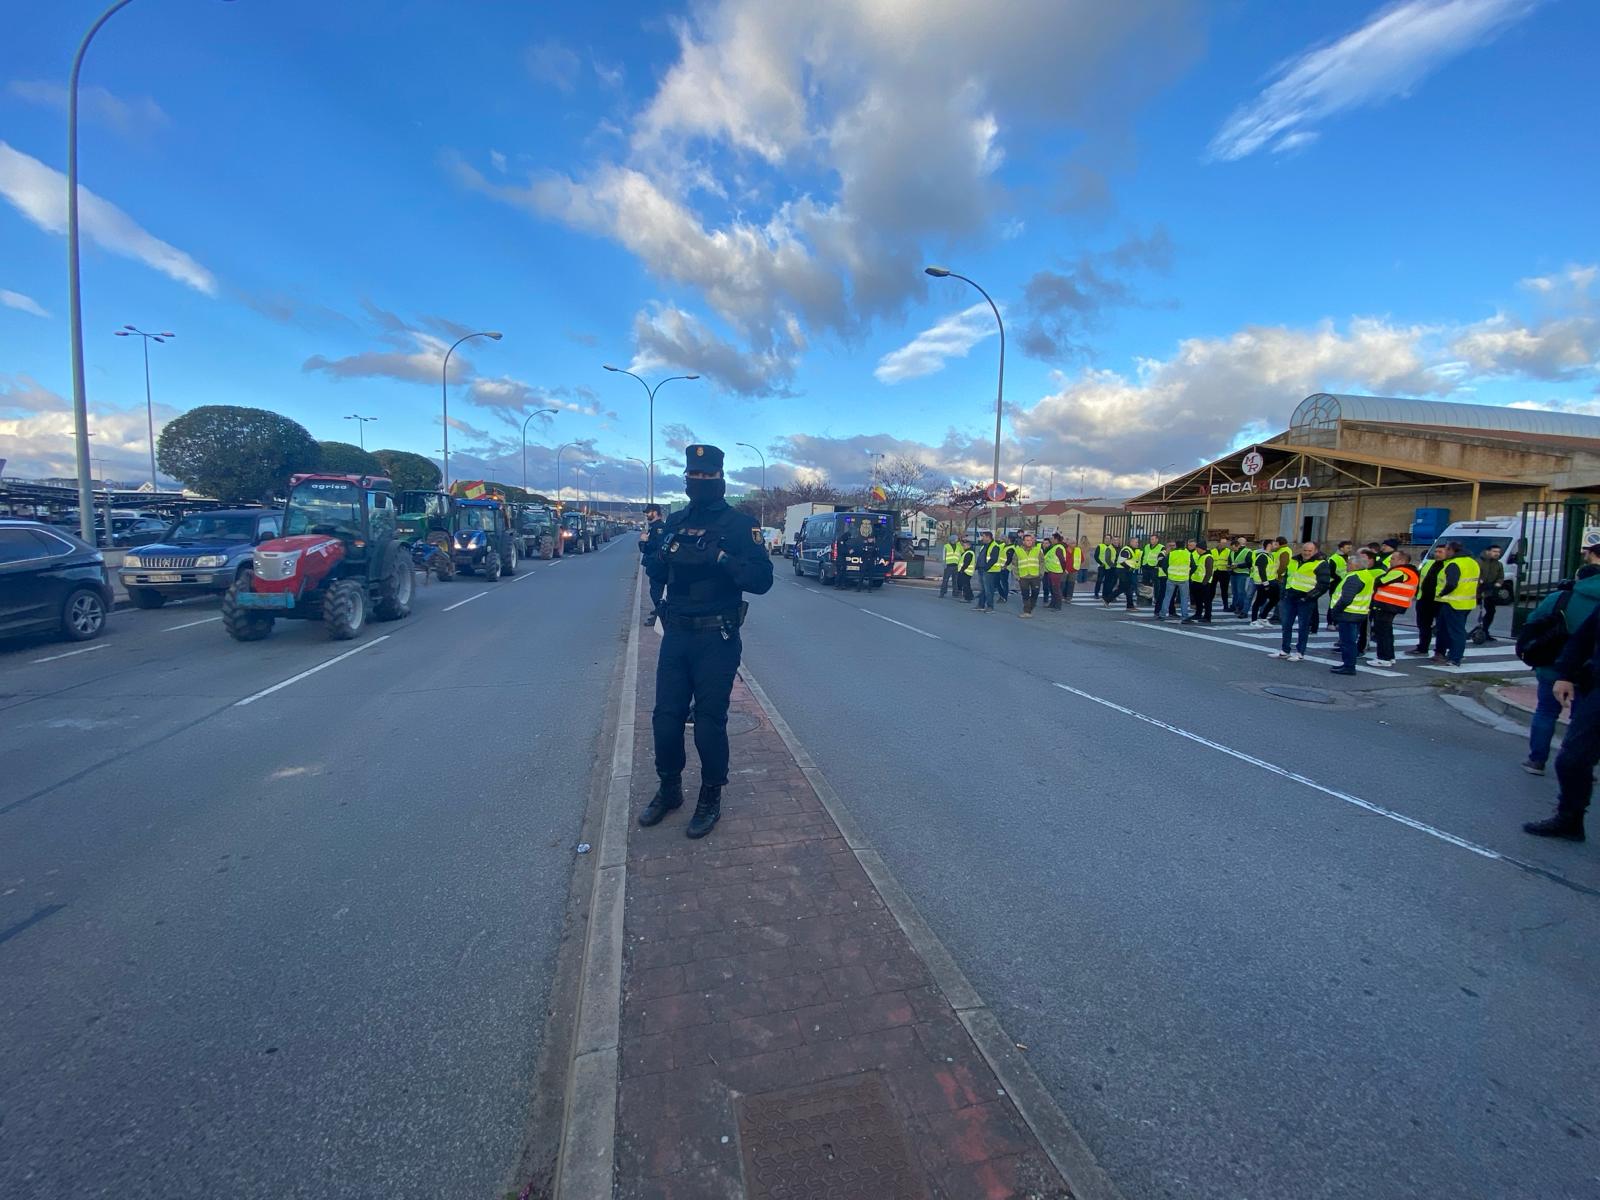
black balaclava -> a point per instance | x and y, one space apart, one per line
705 491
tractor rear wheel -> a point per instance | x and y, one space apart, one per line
344 609
511 563
242 624
395 590
491 566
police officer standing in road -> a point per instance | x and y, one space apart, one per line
709 555
649 545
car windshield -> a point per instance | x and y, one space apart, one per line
323 506
209 527
853 526
430 503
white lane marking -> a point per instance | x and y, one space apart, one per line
338 658
520 578
1312 658
1505 667
468 600
71 653
191 624
902 624
1284 772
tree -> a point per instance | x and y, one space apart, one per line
909 485
409 472
818 489
341 458
235 454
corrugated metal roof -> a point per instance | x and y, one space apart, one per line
1313 410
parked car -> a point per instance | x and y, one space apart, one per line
51 582
203 552
127 532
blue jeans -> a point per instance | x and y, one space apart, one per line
1244 592
1179 589
986 586
1543 726
1452 626
1297 609
1349 641
1005 583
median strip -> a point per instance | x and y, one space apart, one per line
278 687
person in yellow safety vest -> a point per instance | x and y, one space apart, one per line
1180 570
1351 604
952 564
1055 570
1159 594
968 566
1128 557
1222 576
1149 559
1109 575
1105 561
1458 596
1306 577
1430 625
990 558
1029 561
1386 555
1244 561
1265 600
1202 583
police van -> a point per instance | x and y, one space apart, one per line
844 549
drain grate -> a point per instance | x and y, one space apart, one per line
841 1140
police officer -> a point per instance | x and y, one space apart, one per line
710 553
650 544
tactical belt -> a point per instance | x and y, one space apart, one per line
717 621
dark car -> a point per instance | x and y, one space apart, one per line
127 532
202 552
51 582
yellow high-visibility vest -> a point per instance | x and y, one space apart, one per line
1280 562
1180 565
969 562
1244 559
1361 604
952 553
1077 558
1028 559
1151 554
1302 576
1128 557
1464 595
999 563
1054 558
1340 567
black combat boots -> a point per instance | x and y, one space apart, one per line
669 795
707 811
1567 826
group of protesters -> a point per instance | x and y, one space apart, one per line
1047 569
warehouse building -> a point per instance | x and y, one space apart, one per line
1371 467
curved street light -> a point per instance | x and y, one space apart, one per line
444 392
650 484
559 449
149 409
1000 390
529 417
748 446
361 429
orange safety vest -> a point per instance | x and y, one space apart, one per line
1397 587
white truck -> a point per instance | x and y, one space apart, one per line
796 514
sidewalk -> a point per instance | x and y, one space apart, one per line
779 1034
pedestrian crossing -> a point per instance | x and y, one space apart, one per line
1497 658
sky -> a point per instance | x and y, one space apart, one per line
1189 216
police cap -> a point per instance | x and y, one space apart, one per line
701 459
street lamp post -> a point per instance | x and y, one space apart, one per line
748 446
1022 473
149 408
650 485
559 449
1000 390
529 417
647 466
444 392
361 427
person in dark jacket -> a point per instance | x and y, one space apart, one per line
1428 624
650 544
1491 574
1575 605
1577 673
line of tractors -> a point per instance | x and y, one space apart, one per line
351 546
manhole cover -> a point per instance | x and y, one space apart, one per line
838 1139
1304 695
742 722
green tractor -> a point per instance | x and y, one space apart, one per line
427 520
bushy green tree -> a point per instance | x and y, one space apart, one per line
341 458
235 454
410 472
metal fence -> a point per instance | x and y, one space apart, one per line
1549 547
1173 526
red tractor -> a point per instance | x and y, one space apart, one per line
338 561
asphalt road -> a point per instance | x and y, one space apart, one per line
1237 978
293 941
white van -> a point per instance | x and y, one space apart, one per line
1530 550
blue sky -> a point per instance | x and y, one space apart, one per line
1191 215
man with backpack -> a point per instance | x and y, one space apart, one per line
1543 636
1577 673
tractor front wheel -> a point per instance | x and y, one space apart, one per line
344 609
511 562
395 590
491 566
242 624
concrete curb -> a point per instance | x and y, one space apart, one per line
1495 702
585 1166
1056 1135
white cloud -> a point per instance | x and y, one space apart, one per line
950 337
420 364
127 117
22 303
1384 59
37 432
39 193
499 161
671 338
1561 342
551 63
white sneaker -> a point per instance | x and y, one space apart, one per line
1281 654
1258 625
1296 657
1383 662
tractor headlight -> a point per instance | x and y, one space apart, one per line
132 560
211 560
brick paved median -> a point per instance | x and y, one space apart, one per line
779 1035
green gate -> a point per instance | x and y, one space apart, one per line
1172 526
1549 547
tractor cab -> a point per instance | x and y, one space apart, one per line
422 513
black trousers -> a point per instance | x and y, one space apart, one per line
1203 595
947 581
695 666
1383 629
1028 585
1266 601
1580 751
1427 614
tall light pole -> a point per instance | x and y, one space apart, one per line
1163 471
643 464
361 427
559 449
444 392
149 408
1000 390
1022 473
650 486
748 446
528 418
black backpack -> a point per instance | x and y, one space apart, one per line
1540 642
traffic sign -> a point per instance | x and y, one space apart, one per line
995 491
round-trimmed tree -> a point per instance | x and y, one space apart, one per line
341 458
235 454
409 472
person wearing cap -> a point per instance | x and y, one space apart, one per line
710 555
650 544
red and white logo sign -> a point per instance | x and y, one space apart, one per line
1253 462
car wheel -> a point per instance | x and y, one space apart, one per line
146 597
797 569
83 616
243 625
491 566
344 609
